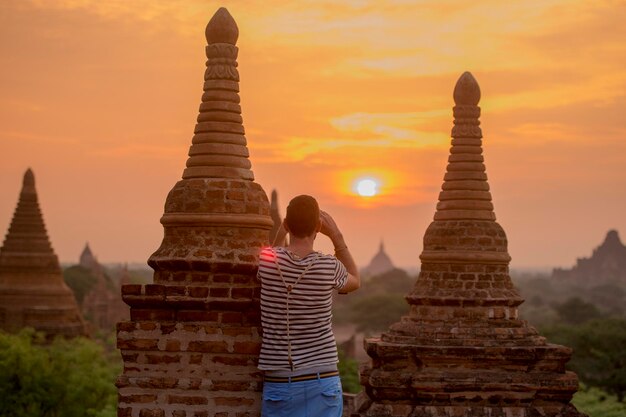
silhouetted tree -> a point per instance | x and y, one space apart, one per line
576 311
376 313
80 279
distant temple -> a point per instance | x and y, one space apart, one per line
276 217
87 259
32 290
379 264
607 265
103 306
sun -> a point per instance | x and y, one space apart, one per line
367 187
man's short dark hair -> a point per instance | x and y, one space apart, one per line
303 216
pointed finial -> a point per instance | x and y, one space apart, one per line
222 28
382 246
466 91
29 178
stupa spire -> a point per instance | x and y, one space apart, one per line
32 290
218 148
27 232
465 191
276 218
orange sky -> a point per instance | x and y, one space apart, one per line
100 97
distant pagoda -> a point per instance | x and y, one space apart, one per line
276 217
380 263
32 290
103 304
607 265
462 349
87 259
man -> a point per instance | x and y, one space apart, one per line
299 353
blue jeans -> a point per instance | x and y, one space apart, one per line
315 398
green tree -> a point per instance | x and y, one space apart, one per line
349 373
80 279
599 356
576 311
66 378
377 312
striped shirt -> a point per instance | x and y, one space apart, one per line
305 311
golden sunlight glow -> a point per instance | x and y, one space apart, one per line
366 187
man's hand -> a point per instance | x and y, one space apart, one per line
330 228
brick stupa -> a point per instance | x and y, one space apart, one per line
32 290
462 350
190 348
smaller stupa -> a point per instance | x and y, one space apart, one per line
462 350
276 218
87 258
32 290
380 263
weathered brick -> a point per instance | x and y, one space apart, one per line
219 292
137 344
233 360
146 325
187 399
242 292
197 315
124 411
154 359
195 359
151 412
126 326
172 345
130 357
154 289
230 385
237 331
207 346
151 314
175 290
167 328
157 382
233 401
137 398
198 292
231 317
252 348
131 289
222 278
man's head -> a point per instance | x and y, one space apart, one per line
303 216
